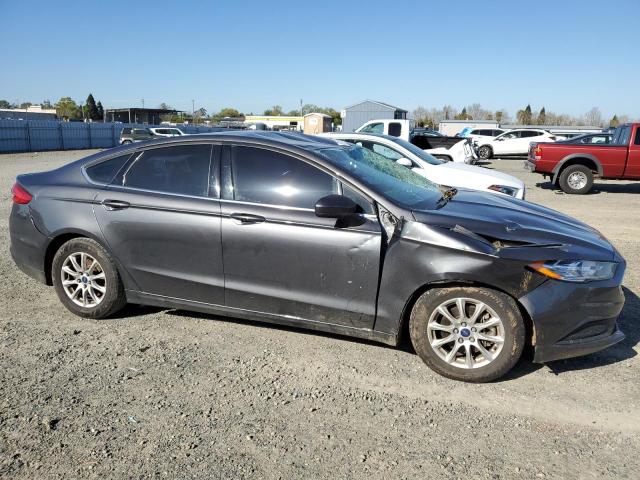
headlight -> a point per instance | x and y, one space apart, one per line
576 270
511 191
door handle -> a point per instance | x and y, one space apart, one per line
115 204
245 218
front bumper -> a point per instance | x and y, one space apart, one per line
574 319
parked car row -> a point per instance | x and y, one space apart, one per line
130 135
349 237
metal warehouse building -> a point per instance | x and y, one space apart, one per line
355 115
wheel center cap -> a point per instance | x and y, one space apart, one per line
465 332
84 279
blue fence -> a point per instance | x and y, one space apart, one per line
40 135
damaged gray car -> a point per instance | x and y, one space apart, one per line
307 232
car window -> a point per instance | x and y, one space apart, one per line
530 133
598 139
510 135
381 149
395 129
373 128
182 169
621 135
360 200
126 130
105 172
264 176
476 132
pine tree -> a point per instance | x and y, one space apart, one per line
100 111
614 122
542 116
527 115
91 108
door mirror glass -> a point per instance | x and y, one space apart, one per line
335 206
405 162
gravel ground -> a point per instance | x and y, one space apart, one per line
172 394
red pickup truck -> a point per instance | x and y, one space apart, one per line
574 166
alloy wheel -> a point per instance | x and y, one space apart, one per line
83 280
466 333
577 180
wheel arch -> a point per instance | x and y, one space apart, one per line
59 239
586 159
403 330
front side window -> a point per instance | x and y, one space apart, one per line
637 140
267 177
182 169
390 179
510 136
374 128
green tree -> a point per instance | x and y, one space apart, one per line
276 110
463 115
68 109
524 116
542 117
91 108
614 122
5 104
226 112
100 111
25 105
46 104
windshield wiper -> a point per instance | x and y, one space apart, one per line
447 195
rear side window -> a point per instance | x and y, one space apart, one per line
126 130
263 176
105 172
637 140
181 169
395 129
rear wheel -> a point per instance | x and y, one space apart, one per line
576 179
485 152
86 279
467 333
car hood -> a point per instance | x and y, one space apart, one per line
515 225
469 176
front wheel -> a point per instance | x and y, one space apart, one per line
485 152
86 279
467 333
576 179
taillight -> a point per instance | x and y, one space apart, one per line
20 195
537 152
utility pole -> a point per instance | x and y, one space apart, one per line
143 103
301 111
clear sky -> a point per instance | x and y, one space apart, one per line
566 55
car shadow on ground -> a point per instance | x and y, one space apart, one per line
598 188
615 354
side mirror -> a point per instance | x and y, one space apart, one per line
335 206
405 162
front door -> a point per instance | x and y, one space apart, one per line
279 258
162 222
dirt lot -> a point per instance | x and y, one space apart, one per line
170 394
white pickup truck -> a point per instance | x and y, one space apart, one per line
451 149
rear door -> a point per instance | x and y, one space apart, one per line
633 159
279 257
161 220
507 143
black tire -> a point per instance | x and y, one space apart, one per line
485 152
576 179
113 298
502 305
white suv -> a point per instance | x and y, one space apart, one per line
167 132
513 142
